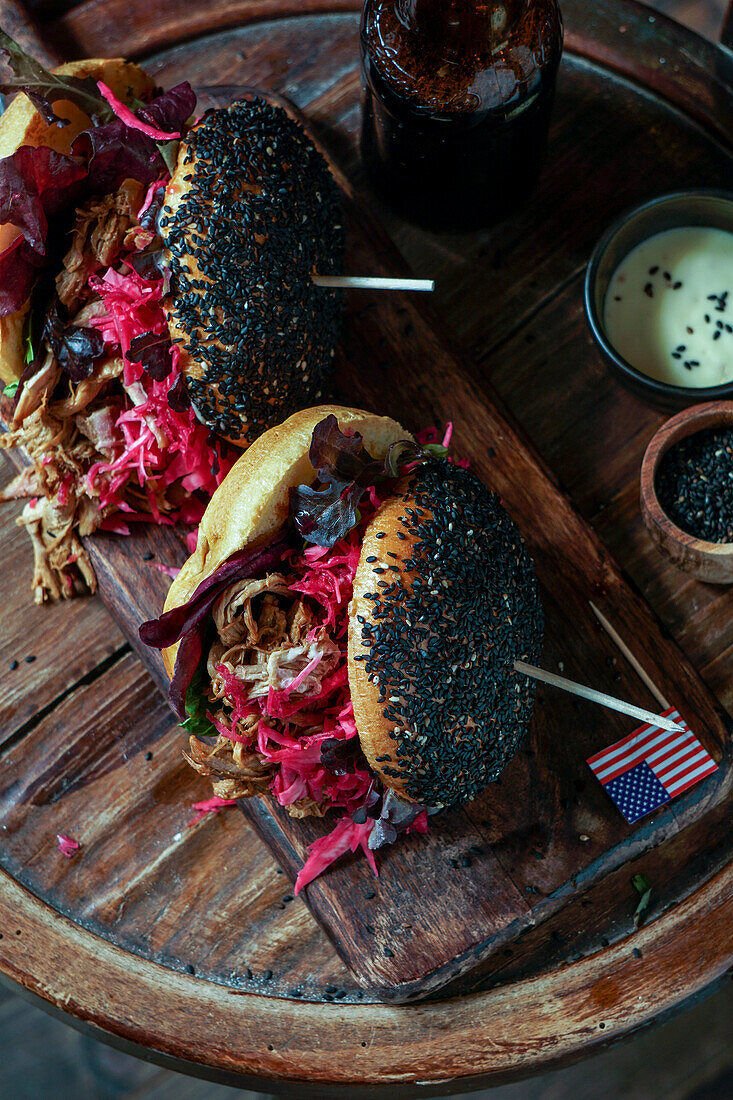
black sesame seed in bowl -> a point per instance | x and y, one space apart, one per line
687 491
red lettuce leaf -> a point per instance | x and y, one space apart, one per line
35 182
153 350
188 623
19 267
170 110
346 470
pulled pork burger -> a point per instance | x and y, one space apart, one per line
342 639
135 243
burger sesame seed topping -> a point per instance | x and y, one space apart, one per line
443 637
261 215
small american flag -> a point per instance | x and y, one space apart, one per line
651 766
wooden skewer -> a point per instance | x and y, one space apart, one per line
638 669
364 282
597 697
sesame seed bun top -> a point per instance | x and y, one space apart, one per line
251 213
445 599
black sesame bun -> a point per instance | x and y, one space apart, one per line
252 212
252 504
445 599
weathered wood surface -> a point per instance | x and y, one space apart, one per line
592 435
726 34
426 921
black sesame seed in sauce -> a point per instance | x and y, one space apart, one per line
262 215
460 710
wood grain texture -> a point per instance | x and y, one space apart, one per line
36 661
430 922
533 347
561 1014
19 24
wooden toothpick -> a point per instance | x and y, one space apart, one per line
597 697
369 282
638 669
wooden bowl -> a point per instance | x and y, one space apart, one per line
707 561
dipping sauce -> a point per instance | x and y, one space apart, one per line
669 307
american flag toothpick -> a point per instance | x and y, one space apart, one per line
650 767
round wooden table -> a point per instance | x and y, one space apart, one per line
184 944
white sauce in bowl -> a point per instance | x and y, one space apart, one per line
669 307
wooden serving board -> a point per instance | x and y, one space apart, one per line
486 873
183 944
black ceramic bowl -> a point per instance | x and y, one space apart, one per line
684 208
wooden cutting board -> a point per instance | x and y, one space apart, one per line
486 873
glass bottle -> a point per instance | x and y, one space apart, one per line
457 104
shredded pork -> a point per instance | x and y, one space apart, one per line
65 427
265 636
61 449
102 228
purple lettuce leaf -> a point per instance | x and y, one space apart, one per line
115 153
342 756
76 348
323 516
153 350
346 470
188 623
179 400
395 816
150 263
170 110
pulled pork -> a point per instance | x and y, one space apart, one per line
265 637
68 427
62 439
64 433
103 227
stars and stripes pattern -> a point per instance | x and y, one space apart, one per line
651 766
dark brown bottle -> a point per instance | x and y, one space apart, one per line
458 102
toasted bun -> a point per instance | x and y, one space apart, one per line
445 599
252 503
252 212
22 124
